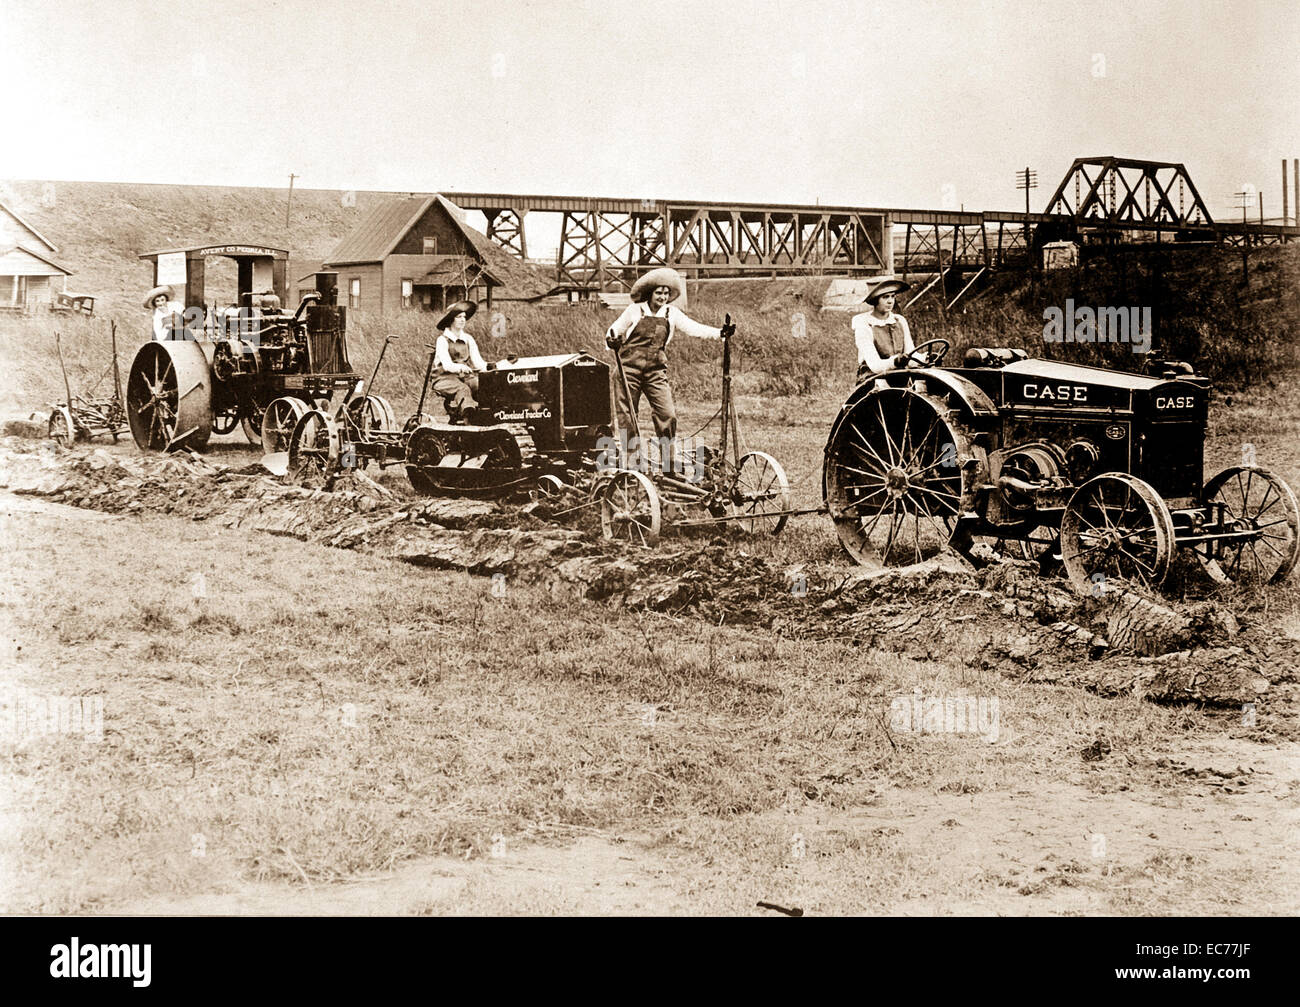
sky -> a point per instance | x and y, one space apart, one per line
922 104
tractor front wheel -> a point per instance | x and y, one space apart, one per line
1116 526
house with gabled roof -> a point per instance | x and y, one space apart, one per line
413 254
28 270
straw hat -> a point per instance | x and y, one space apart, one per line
886 287
469 307
164 289
661 277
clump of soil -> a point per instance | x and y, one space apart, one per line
1004 616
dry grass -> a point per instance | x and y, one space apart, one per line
323 716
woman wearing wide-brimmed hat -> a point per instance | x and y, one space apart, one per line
640 336
160 302
883 337
457 360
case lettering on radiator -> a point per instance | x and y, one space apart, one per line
1056 393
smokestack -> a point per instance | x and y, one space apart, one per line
1285 218
1295 168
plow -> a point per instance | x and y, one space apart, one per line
703 486
82 419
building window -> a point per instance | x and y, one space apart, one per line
354 292
13 290
430 245
408 292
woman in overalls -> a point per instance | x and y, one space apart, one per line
457 360
640 336
883 337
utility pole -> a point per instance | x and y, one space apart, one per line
1027 179
289 205
1244 197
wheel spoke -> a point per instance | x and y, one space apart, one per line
884 429
885 466
867 460
889 541
934 424
867 531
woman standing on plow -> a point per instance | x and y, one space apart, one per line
640 337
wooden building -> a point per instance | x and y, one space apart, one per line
29 274
411 255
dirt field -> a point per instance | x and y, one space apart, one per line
330 715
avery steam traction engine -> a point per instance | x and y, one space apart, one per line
225 364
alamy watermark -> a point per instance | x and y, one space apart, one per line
685 458
922 714
1103 324
27 717
244 324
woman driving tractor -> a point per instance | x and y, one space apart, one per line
884 338
457 360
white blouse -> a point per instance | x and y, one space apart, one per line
864 334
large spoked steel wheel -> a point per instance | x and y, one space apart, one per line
629 509
761 492
895 477
314 449
281 416
1259 504
61 428
1117 526
169 396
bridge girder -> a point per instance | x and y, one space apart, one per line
1132 192
605 243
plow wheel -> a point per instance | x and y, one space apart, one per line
168 396
61 428
424 450
314 449
1257 501
1116 525
549 486
896 478
761 492
417 420
629 509
281 416
371 414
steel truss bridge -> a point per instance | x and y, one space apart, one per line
606 243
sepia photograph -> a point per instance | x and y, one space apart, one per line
601 459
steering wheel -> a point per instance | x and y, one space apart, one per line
910 358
